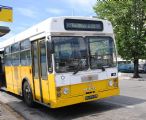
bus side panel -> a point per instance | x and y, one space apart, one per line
45 91
52 88
16 78
9 78
26 73
37 89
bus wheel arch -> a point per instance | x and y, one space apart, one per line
27 92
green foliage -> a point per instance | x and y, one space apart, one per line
128 18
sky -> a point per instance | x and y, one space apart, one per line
27 13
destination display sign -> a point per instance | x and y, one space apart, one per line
83 25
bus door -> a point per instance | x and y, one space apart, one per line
40 73
2 78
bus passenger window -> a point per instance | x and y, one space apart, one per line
50 66
43 60
16 59
25 58
7 60
35 57
25 53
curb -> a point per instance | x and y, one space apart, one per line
12 111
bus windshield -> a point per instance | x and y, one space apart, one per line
69 53
73 54
102 52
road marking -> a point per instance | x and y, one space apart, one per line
130 106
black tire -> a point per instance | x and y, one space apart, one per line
27 94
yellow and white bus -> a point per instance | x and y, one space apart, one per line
62 61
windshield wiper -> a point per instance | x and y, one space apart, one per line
78 67
103 67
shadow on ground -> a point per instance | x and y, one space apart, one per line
126 100
40 112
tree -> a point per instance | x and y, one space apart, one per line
128 18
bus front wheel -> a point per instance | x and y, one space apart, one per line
27 94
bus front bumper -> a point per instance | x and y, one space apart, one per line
84 98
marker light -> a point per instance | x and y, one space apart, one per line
66 91
111 83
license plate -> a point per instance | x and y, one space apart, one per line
90 97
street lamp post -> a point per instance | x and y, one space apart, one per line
5 16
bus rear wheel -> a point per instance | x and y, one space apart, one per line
27 94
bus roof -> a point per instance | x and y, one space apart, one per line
55 25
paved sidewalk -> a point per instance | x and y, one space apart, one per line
128 76
6 113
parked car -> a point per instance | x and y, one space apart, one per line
126 68
141 68
130 68
144 68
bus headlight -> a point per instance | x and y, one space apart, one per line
110 83
65 91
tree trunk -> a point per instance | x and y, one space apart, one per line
136 72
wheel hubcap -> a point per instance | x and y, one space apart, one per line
27 93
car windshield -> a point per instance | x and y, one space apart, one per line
102 52
69 53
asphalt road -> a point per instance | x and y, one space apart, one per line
130 105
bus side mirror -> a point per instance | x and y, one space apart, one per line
50 47
50 69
